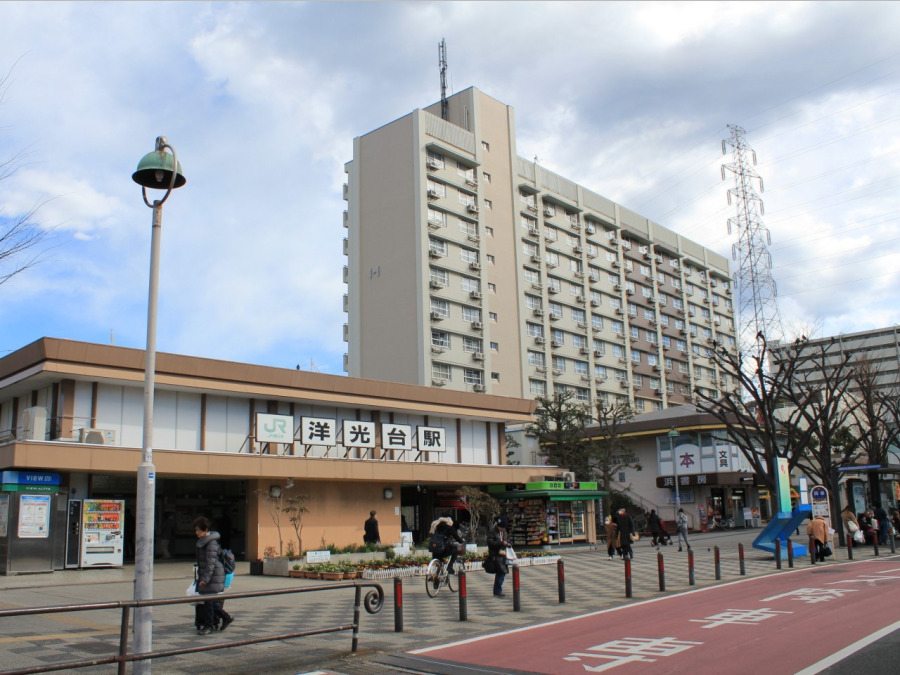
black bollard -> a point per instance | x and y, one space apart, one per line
517 602
850 547
891 542
812 551
463 596
690 567
778 554
875 544
627 577
561 580
741 559
718 560
662 571
790 546
398 605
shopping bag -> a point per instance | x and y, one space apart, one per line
635 536
852 527
859 537
192 590
510 555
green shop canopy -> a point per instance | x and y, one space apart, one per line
557 491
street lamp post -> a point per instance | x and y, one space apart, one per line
159 170
673 434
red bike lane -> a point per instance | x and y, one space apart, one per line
775 624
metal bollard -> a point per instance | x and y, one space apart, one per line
718 560
463 597
790 546
517 603
891 542
812 551
627 577
690 568
561 580
662 571
850 547
778 554
741 559
398 605
875 544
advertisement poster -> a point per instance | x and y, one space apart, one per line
34 516
4 515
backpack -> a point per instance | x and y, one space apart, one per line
226 557
436 544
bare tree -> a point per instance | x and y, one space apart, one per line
608 454
755 416
21 238
481 506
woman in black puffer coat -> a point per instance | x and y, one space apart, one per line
210 577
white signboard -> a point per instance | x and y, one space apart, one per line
34 516
317 431
274 428
396 437
317 557
431 439
359 434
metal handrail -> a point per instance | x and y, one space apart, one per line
373 602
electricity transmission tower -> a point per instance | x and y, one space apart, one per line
755 292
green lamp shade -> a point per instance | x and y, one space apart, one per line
155 171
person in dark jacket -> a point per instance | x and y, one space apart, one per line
498 541
625 523
371 535
210 579
445 531
653 524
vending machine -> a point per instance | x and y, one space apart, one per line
102 532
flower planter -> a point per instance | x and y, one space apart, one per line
332 576
351 575
297 574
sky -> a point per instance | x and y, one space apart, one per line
262 100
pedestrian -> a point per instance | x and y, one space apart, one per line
625 525
370 527
444 539
653 524
818 530
851 524
884 526
167 536
612 537
210 578
498 542
681 524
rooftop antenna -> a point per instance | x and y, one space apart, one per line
442 62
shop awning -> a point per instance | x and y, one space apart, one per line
552 495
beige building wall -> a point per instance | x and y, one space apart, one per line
574 291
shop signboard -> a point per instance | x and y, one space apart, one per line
34 516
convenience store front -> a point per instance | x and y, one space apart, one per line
548 513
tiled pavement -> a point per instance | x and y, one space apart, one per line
593 582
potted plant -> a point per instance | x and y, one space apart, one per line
296 572
332 572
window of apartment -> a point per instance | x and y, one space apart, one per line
635 356
550 233
596 298
579 341
649 314
438 189
600 372
611 257
613 279
471 314
490 259
558 336
527 223
537 387
465 171
472 345
435 159
620 375
597 322
468 255
441 307
652 360
578 315
618 351
654 383
486 145
532 276
639 380
486 176
555 310
530 249
618 327
437 246
582 394
438 218
615 303
575 290
553 285
552 259
651 336
679 324
592 250
465 198
495 376
664 320
467 227
472 376
439 277
666 341
495 347
469 285
440 339
706 333
668 363
600 347
532 302
440 371
576 266
489 231
645 270
681 345
549 209
704 312
536 359
581 368
492 316
635 333
492 288
572 240
534 330
527 198
632 309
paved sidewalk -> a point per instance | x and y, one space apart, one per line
593 582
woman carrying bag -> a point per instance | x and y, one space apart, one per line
498 541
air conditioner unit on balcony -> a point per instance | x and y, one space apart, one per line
478 388
98 436
585 351
541 369
438 383
475 266
537 286
535 258
435 284
474 238
433 194
619 310
548 212
595 303
531 207
598 352
432 164
556 343
534 232
539 340
590 229
437 316
475 295
478 356
578 249
538 312
623 384
432 253
472 208
616 264
553 289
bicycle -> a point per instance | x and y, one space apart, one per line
437 576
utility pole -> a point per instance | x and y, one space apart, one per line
442 64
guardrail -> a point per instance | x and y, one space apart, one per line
373 602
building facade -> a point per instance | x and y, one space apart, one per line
228 437
471 268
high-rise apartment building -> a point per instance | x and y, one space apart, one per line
472 268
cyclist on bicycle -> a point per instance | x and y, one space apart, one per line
443 540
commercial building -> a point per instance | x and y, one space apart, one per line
472 268
228 439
